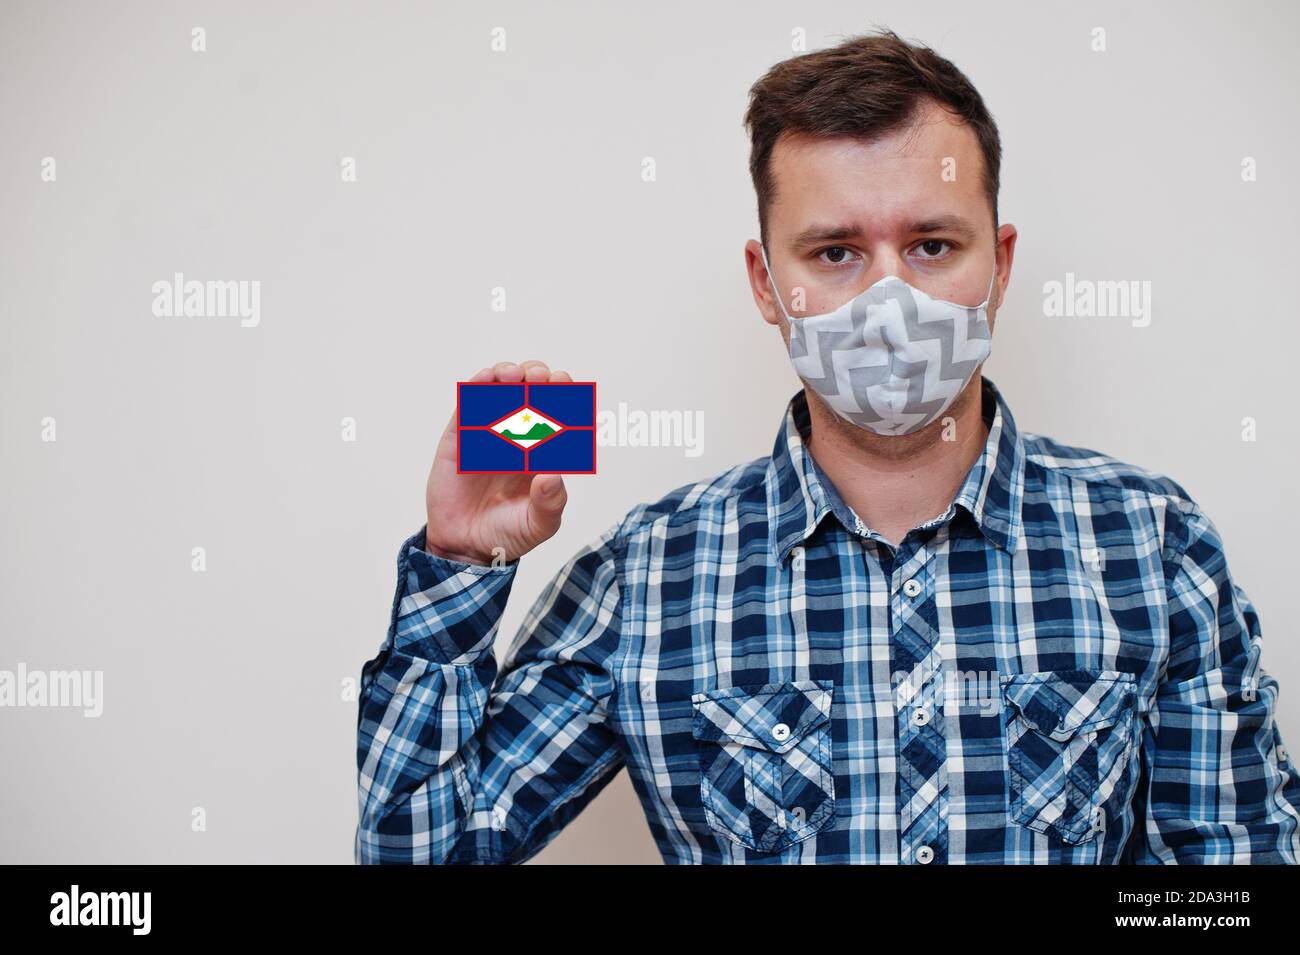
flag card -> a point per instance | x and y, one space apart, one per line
526 427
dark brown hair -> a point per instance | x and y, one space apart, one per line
866 87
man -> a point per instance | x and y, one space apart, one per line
913 634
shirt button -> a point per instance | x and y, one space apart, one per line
921 715
780 732
912 587
924 855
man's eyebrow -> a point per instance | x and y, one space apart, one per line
815 235
824 233
943 224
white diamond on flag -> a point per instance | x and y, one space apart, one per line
526 427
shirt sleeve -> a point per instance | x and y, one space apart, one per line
459 764
1217 785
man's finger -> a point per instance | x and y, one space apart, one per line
546 500
507 371
536 371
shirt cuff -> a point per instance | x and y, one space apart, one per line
447 610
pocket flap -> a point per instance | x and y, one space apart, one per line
1060 703
771 716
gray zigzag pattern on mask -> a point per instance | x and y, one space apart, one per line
862 378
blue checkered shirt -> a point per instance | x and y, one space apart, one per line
1057 669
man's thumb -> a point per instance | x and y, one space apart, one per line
548 496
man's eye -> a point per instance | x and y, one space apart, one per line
835 255
932 248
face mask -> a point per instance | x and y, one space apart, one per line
892 359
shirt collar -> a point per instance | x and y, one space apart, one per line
799 496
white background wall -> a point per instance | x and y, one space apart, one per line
522 169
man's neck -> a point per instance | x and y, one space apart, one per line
896 482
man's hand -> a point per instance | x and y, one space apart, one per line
471 515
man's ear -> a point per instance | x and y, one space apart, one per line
761 285
1003 255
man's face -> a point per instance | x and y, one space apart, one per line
847 213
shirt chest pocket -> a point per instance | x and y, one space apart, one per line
1069 740
766 772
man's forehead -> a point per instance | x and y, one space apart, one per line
932 132
924 170
844 158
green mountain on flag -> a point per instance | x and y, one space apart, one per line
535 433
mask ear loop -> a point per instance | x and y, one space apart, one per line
988 297
772 281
